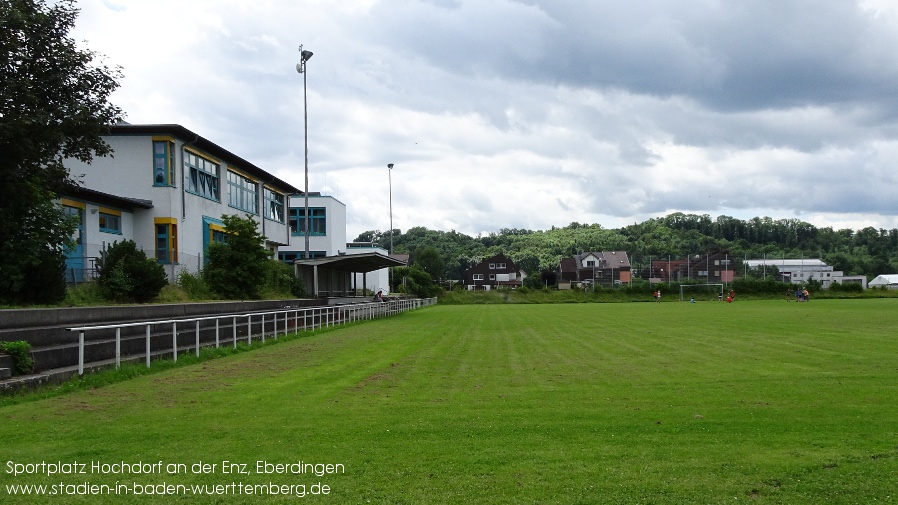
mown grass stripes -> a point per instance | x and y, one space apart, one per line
766 401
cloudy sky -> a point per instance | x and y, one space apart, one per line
532 113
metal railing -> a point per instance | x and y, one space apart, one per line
309 318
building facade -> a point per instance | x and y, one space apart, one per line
603 268
327 228
166 188
713 268
801 270
494 272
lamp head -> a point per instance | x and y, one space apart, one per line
305 55
389 165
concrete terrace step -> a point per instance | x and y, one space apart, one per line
62 374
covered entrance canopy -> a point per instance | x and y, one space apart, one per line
333 275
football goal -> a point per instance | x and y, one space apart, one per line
701 292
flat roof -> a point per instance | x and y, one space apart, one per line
357 263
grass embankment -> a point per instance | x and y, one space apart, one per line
771 402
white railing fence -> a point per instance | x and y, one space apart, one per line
280 321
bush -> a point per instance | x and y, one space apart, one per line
85 294
281 279
126 274
848 287
194 286
21 355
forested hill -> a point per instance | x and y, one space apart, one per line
868 251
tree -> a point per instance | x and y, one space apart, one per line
430 261
237 268
53 106
416 281
126 274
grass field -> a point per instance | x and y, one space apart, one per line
760 402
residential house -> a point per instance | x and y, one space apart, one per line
494 272
604 268
711 268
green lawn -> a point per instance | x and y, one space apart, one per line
761 402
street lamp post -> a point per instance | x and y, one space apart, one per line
301 68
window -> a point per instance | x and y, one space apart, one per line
110 221
274 205
478 277
492 266
218 237
202 176
591 263
492 277
166 240
501 266
317 221
79 212
291 256
163 163
242 193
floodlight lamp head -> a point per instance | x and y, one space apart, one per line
389 165
305 55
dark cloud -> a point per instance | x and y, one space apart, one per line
530 114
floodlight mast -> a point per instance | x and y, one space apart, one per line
390 183
301 68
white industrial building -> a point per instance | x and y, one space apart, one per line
801 270
888 281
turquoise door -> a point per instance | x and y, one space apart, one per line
74 262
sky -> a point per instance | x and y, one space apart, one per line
531 113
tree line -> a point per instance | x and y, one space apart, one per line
446 255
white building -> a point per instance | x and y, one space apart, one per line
889 281
327 228
166 188
801 270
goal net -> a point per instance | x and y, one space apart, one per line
701 292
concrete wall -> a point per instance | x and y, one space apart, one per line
44 327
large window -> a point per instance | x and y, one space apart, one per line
274 205
202 176
242 193
163 163
317 221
